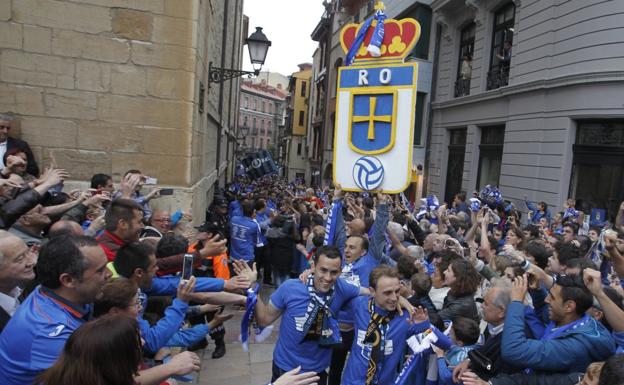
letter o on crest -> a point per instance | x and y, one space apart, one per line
385 75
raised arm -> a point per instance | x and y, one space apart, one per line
265 313
612 312
378 239
619 218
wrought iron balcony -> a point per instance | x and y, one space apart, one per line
462 87
497 78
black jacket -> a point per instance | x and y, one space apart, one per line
12 209
463 306
4 318
537 379
32 168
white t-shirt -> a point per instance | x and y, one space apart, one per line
3 149
10 302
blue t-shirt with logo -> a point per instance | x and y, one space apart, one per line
292 298
397 332
36 334
244 235
357 274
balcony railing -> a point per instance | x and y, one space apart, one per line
497 78
462 87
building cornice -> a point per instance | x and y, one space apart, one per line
544 84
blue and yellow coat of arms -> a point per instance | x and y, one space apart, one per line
375 106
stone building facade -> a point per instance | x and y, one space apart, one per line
546 122
109 85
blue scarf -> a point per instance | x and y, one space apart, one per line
252 299
319 324
330 226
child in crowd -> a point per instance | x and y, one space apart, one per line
465 336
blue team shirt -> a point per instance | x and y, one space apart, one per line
36 334
244 235
357 274
292 298
618 337
398 331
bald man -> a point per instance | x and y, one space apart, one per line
65 227
17 264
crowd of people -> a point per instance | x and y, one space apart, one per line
370 288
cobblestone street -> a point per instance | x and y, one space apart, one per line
238 367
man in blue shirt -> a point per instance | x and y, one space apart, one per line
244 234
360 257
308 328
381 333
571 341
72 271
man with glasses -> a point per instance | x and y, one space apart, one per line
7 143
160 224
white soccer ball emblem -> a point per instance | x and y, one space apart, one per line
368 173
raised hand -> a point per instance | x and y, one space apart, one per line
237 283
185 289
129 184
519 288
241 268
54 176
213 247
592 281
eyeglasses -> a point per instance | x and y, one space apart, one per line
161 219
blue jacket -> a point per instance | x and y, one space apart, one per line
36 334
168 326
157 336
572 351
168 285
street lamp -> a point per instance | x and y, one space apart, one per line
258 45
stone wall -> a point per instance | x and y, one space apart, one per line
109 85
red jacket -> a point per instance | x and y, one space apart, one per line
110 243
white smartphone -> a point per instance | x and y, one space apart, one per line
150 180
187 267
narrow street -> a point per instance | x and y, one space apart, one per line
238 367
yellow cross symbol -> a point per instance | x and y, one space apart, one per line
372 118
380 6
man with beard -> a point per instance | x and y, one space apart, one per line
124 223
